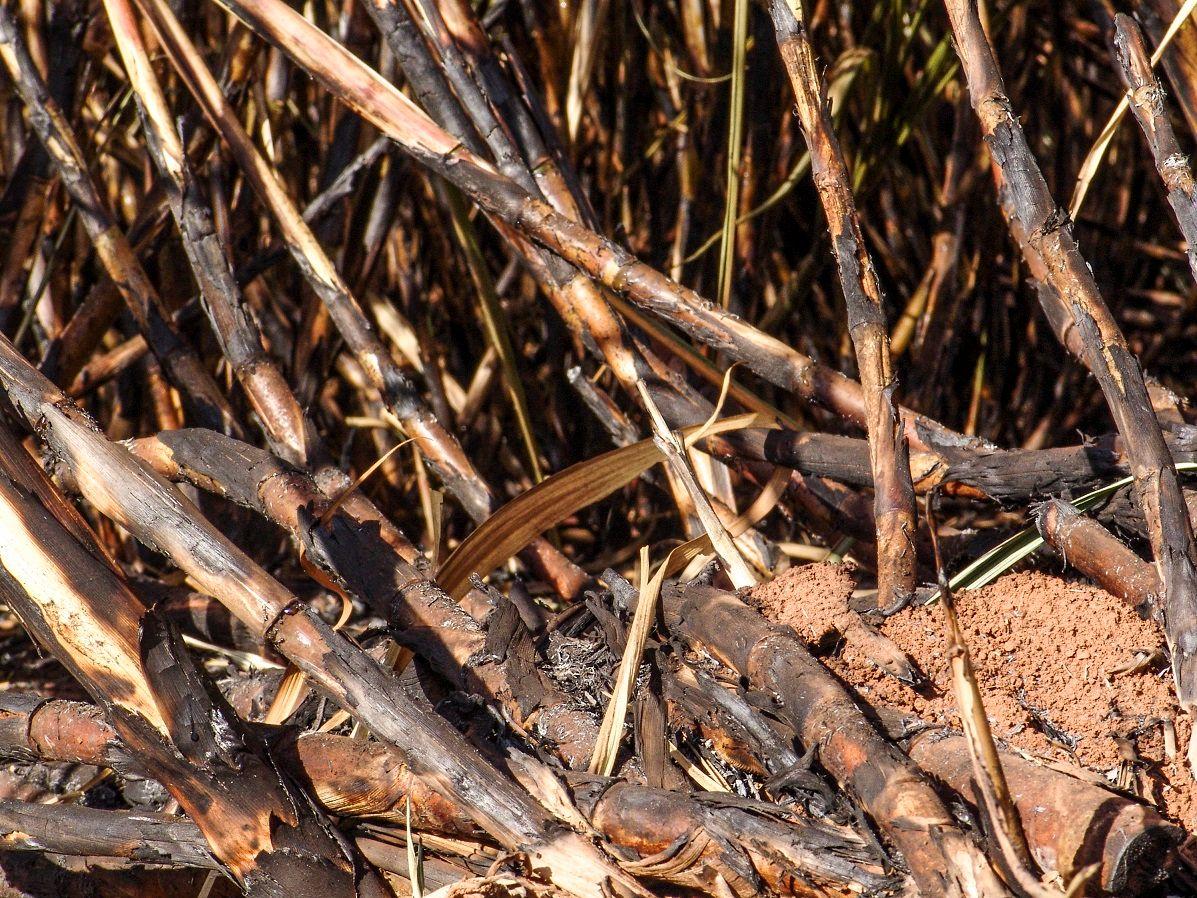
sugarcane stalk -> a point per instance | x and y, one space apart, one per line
889 459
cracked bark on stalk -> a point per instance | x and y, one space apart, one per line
352 550
889 459
125 490
1147 103
1049 245
200 393
74 601
142 836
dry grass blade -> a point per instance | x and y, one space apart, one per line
548 503
588 29
606 746
678 462
735 147
1004 822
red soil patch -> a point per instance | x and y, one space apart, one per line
1044 649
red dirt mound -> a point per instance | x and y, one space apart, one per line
1047 653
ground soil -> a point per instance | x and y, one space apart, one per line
1046 650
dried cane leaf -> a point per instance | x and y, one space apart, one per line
557 497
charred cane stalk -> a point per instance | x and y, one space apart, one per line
1050 246
889 460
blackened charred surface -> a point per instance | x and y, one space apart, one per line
428 81
271 833
198 614
509 644
16 717
1147 102
431 746
439 754
1021 474
793 854
841 458
761 745
145 837
199 722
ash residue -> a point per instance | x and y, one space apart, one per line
583 668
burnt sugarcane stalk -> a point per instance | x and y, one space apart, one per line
1049 244
943 859
1147 102
597 258
287 429
140 839
437 444
425 619
888 452
577 297
686 840
1069 823
75 602
179 361
1098 554
497 194
130 493
142 836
